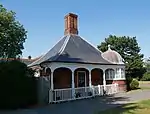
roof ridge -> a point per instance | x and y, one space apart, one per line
64 45
95 48
46 52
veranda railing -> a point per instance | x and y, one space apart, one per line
68 94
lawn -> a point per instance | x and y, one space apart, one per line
144 82
144 85
144 88
142 107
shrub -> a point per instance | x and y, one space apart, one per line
146 77
128 82
134 84
18 89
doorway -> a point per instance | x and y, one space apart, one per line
81 79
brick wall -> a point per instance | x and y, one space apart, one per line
121 83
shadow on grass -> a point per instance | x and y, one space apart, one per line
131 108
128 109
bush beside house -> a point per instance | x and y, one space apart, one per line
17 85
134 84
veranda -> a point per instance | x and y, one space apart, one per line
72 81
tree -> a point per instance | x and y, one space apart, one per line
146 76
128 48
12 34
147 64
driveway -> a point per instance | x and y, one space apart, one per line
87 106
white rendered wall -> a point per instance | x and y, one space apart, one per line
74 66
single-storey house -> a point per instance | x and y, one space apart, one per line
74 68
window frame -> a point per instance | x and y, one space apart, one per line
122 73
109 74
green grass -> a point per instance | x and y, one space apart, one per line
144 82
142 107
145 88
139 89
144 85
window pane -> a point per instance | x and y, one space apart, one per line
113 74
110 73
117 73
122 73
107 74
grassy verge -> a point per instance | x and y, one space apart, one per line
142 107
145 87
144 82
139 89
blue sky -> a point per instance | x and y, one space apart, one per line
44 21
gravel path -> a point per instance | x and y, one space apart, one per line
87 106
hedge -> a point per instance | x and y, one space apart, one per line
17 86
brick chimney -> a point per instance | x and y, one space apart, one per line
71 26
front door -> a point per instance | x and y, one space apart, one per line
81 78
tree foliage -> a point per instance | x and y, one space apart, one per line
146 76
147 64
129 49
12 34
17 84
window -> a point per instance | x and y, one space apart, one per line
113 74
107 74
122 73
117 73
110 74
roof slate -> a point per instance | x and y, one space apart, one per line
72 48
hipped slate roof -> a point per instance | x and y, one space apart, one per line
72 48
